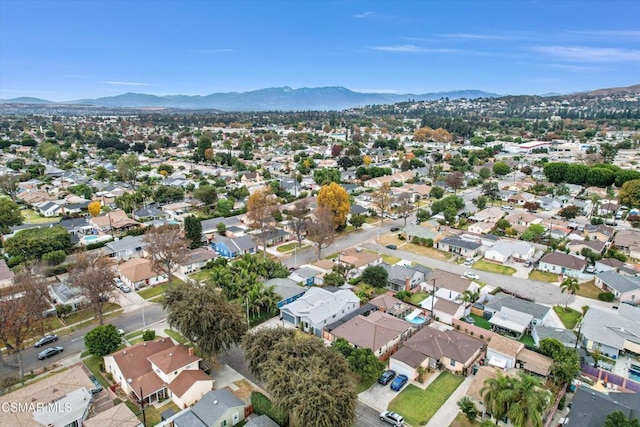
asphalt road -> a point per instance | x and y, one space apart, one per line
74 342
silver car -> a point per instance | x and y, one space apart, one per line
396 420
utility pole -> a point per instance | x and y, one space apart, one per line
144 417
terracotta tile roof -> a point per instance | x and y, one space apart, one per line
186 379
137 269
133 362
173 358
119 219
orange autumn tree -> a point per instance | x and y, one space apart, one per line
335 198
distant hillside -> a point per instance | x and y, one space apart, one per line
630 90
25 100
282 98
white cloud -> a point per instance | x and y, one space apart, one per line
577 68
210 51
364 15
609 34
589 54
118 83
410 48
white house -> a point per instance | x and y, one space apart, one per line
561 263
138 273
502 250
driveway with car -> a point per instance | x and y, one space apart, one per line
378 396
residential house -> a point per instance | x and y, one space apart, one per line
378 331
452 285
624 288
503 250
248 178
413 231
138 273
590 408
597 246
392 306
600 232
287 289
611 331
561 263
149 213
489 215
210 226
510 322
154 370
234 247
117 416
318 307
459 246
628 241
402 278
305 276
177 211
502 352
442 308
61 399
481 227
76 226
49 209
515 312
521 198
194 260
261 421
434 349
6 275
64 294
125 248
565 336
216 408
607 264
115 220
272 236
359 259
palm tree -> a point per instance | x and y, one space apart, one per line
470 296
569 285
468 408
528 401
495 395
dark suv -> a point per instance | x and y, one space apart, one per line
386 377
47 339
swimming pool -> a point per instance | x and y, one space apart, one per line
417 320
635 377
90 238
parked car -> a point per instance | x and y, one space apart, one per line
47 339
468 262
97 387
121 331
51 351
399 382
118 282
392 247
392 418
507 208
591 269
395 228
527 264
125 288
471 275
386 377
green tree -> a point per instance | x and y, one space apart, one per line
382 198
600 177
260 206
166 247
533 233
165 194
102 340
9 215
326 176
569 285
555 172
365 364
202 315
357 220
608 152
9 185
629 194
204 143
576 174
128 167
491 190
468 408
485 173
193 231
618 419
480 202
207 194
376 276
32 243
436 193
494 394
528 401
501 168
256 341
333 279
221 228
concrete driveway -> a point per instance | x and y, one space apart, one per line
378 396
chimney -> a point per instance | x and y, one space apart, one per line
190 351
407 284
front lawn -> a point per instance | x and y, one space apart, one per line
200 275
543 276
176 336
93 364
364 385
88 313
461 420
418 297
569 318
390 259
417 406
288 247
494 268
155 291
589 290
481 322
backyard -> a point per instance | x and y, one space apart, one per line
481 322
569 318
418 297
543 276
417 406
494 268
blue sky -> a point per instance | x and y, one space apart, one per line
66 50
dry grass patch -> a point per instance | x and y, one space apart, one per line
589 290
428 252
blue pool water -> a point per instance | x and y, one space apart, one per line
90 238
418 320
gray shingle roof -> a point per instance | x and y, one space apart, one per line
619 282
460 243
591 408
209 409
503 300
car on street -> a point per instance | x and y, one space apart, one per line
392 247
468 262
396 420
507 208
386 376
97 387
125 288
395 228
48 352
47 339
399 382
471 275
121 331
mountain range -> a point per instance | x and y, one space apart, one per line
270 99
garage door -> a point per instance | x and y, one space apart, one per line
288 318
402 369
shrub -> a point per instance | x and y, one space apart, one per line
148 335
606 296
54 257
428 243
263 406
97 245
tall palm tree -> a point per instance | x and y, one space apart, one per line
495 395
528 401
569 285
468 408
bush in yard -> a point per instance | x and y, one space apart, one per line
376 276
606 296
263 406
148 335
102 340
54 257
